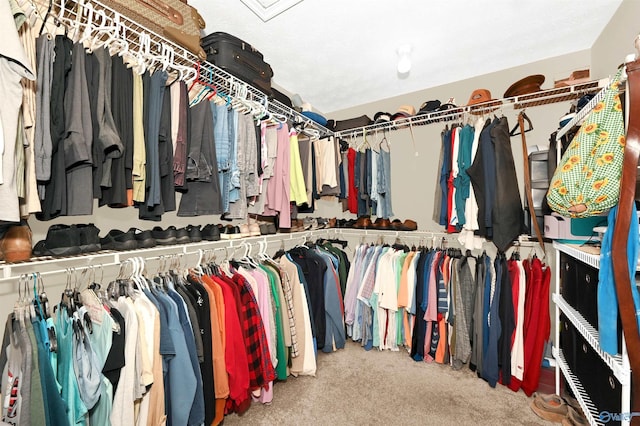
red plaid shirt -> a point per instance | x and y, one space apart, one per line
261 370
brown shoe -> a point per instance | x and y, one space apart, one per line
410 225
382 224
15 246
333 222
363 222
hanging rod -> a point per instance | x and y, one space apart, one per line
543 97
114 28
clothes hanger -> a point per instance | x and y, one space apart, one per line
515 130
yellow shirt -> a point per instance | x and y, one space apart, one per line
298 190
139 153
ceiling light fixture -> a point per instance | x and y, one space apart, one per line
404 59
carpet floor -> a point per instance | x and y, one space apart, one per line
356 387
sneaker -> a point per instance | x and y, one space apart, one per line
15 244
211 232
182 236
195 234
62 240
230 232
254 230
244 230
119 240
164 237
89 238
144 238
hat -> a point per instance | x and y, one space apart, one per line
315 117
576 77
529 84
404 111
429 106
480 96
382 117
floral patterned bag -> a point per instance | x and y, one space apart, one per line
587 180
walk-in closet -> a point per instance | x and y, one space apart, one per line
297 212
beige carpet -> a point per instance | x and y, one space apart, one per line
356 387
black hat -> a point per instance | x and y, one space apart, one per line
429 106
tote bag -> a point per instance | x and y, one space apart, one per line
587 180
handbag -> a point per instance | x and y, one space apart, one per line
173 19
587 180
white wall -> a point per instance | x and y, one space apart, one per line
616 40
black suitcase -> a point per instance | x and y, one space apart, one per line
239 59
281 97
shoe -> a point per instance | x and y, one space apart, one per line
407 225
118 240
382 224
322 223
61 240
143 238
182 236
310 223
244 230
211 233
574 418
363 222
549 407
164 237
410 225
230 232
254 230
89 238
333 223
15 245
195 234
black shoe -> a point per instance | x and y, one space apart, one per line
62 240
144 238
164 237
211 233
231 232
182 236
89 239
195 234
118 240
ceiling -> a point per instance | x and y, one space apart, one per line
338 54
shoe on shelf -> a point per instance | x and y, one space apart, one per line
382 224
15 244
310 223
549 407
89 238
363 222
333 223
254 230
231 232
61 240
244 231
164 237
195 233
182 236
119 240
144 238
211 232
407 225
